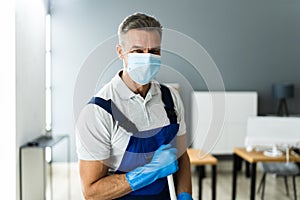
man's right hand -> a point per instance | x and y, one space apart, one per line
163 163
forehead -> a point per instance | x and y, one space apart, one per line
142 38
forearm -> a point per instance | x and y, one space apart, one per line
182 177
97 185
109 187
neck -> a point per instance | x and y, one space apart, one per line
133 86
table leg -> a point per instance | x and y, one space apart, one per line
203 171
214 182
239 163
253 179
236 159
200 171
247 169
294 186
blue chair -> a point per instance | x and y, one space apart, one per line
280 169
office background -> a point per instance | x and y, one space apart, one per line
253 43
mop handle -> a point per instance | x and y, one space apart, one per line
171 187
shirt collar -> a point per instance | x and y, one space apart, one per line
125 93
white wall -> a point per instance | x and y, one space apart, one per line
30 63
30 70
21 84
7 101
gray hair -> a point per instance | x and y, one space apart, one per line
139 21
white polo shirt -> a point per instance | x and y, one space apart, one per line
98 135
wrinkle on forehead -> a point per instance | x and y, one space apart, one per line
141 38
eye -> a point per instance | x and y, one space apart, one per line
137 51
154 51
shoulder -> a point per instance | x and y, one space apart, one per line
113 90
93 113
106 92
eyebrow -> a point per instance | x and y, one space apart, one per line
140 47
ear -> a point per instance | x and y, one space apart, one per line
120 51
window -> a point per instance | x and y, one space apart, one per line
48 73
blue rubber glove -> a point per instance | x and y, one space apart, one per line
184 196
163 163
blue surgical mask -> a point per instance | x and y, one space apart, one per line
143 67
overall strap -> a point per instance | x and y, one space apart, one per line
169 104
116 114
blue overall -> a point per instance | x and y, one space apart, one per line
142 144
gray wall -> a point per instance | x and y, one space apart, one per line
253 43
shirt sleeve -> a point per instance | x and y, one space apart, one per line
93 130
179 109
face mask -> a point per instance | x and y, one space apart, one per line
143 67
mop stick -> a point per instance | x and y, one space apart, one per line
171 187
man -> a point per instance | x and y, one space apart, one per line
131 135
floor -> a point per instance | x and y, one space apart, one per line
274 190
